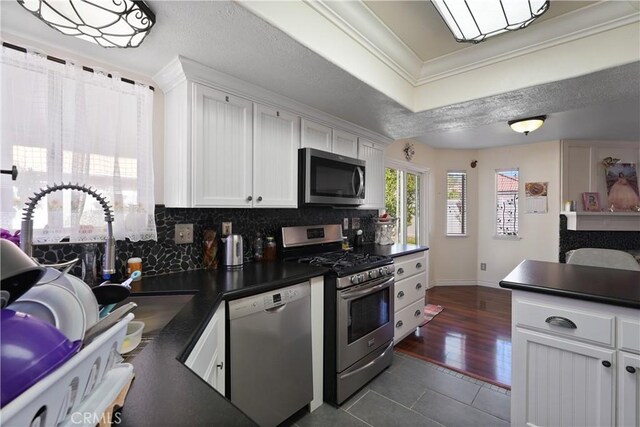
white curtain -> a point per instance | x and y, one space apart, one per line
63 124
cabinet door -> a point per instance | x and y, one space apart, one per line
560 382
315 135
222 152
628 389
207 359
345 143
374 179
275 171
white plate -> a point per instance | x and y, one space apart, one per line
86 297
35 308
66 307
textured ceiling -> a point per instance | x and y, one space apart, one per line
225 36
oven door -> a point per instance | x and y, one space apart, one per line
331 179
365 320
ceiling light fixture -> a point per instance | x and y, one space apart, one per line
108 23
527 125
475 20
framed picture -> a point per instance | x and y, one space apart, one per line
622 187
591 202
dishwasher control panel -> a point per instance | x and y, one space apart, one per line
267 300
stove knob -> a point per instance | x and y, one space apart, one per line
381 272
354 280
373 274
361 278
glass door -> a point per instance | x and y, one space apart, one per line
403 201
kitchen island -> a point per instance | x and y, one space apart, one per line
165 392
575 344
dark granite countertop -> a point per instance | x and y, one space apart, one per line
390 250
167 393
603 285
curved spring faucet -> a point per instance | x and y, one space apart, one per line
26 231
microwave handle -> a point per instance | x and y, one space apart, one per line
360 173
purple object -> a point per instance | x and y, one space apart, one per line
30 350
6 234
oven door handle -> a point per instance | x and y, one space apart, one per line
347 295
368 365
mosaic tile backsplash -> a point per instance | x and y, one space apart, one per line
164 256
569 240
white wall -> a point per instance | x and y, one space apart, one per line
158 100
456 260
539 233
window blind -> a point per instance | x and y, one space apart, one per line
456 203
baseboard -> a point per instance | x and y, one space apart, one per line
489 284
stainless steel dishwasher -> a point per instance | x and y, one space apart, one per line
270 349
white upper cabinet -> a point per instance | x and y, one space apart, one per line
374 170
315 135
222 149
345 143
275 153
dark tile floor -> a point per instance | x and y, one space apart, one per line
412 393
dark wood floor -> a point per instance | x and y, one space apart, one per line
472 335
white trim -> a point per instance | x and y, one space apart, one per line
401 164
181 68
507 236
487 284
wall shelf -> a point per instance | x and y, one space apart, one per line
602 221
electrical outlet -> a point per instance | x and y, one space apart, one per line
483 266
226 228
345 224
355 223
184 233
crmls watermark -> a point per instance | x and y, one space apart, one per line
93 419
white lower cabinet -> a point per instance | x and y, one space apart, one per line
569 367
207 359
409 288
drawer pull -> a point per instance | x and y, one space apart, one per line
400 270
631 369
606 363
419 286
561 321
399 324
417 313
419 265
400 294
220 365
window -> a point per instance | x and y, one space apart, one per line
456 203
507 202
403 201
63 124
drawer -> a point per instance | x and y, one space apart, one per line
629 334
409 290
407 319
595 327
409 265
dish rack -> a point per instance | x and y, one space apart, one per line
79 391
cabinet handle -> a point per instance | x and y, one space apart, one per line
259 198
220 365
631 369
399 324
419 265
417 313
606 363
400 294
419 286
561 321
249 198
226 98
400 270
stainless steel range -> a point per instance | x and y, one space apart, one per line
358 315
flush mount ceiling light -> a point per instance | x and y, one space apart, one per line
475 20
108 23
527 125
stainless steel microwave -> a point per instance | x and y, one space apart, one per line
330 179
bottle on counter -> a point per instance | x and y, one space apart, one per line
345 243
258 253
270 249
359 240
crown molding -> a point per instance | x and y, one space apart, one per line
181 69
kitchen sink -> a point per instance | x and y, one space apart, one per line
158 310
